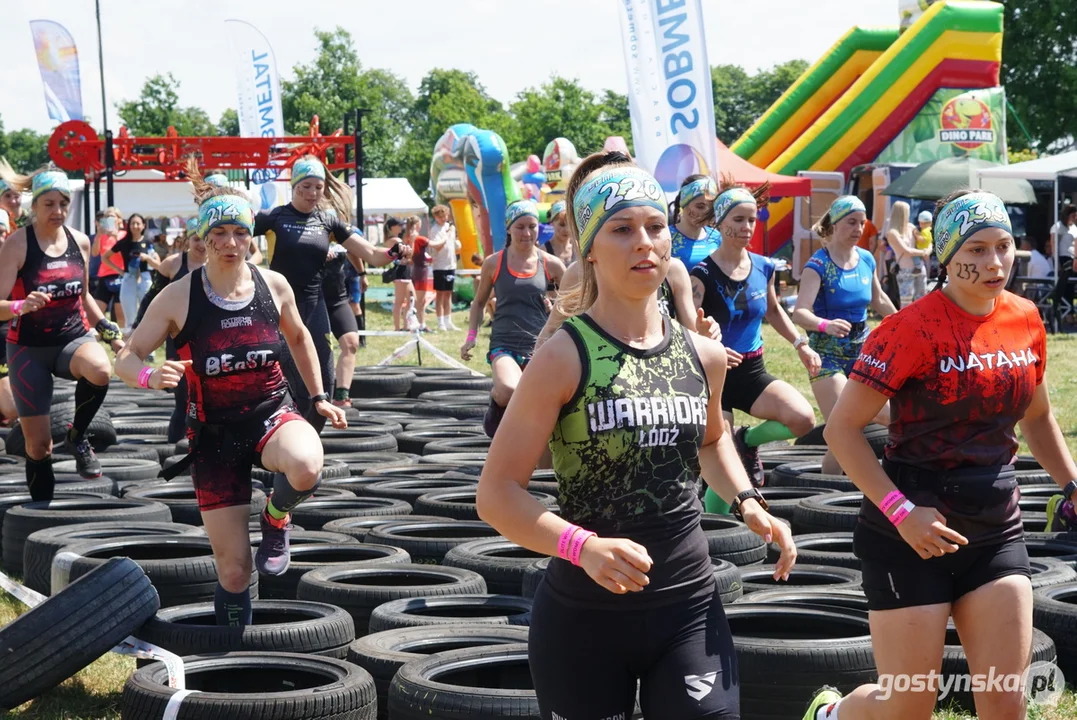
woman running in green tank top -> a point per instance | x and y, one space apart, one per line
629 403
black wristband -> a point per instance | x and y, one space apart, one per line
315 399
1069 490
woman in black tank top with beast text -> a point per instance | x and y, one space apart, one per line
227 319
43 271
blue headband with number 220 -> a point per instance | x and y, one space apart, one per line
612 191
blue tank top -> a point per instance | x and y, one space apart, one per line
692 252
843 294
738 306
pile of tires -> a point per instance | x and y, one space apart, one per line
400 602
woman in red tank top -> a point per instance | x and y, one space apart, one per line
43 271
227 319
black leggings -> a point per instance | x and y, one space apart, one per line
585 662
316 318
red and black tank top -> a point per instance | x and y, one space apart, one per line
235 349
63 319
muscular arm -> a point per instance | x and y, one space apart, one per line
361 250
683 294
165 316
12 257
721 468
295 333
809 290
482 293
776 315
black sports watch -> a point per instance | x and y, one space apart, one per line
752 493
1070 489
314 400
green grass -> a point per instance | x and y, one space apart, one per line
94 694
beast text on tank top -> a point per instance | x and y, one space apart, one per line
521 307
235 372
626 456
692 252
298 244
738 306
64 318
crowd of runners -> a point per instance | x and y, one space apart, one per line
620 350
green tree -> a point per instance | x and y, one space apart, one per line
560 108
24 149
157 108
228 125
740 99
335 84
616 116
1039 70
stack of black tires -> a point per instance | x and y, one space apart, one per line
400 602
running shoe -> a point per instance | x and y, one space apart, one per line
274 552
1061 516
826 696
749 457
86 461
492 419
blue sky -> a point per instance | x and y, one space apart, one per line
510 44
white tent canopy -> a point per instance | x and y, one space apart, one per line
391 196
1045 168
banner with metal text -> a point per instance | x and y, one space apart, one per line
58 61
669 88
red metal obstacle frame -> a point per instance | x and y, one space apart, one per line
75 146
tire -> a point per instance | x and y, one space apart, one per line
1047 572
1064 550
413 441
400 405
782 501
183 502
42 545
360 590
500 562
315 556
818 597
451 610
453 382
461 504
808 474
470 463
360 462
1054 611
451 410
732 540
383 654
410 490
830 549
331 469
55 640
306 537
419 692
158 443
418 470
278 626
467 397
353 440
428 543
827 513
65 482
533 575
358 528
267 685
367 384
727 578
759 578
20 521
784 654
181 568
313 514
118 468
475 443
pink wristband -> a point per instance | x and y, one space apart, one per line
889 500
471 335
565 541
144 376
577 546
16 307
822 325
902 513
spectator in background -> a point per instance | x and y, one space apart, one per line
422 278
1039 266
1063 236
138 254
399 274
912 272
110 264
925 240
444 245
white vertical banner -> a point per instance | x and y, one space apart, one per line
669 88
258 84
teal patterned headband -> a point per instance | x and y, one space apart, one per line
610 192
224 210
48 181
964 217
307 168
519 209
728 200
191 226
703 187
845 206
3 187
218 180
556 209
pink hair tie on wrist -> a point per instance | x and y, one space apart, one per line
888 501
577 545
16 307
902 512
471 335
823 325
144 376
565 541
